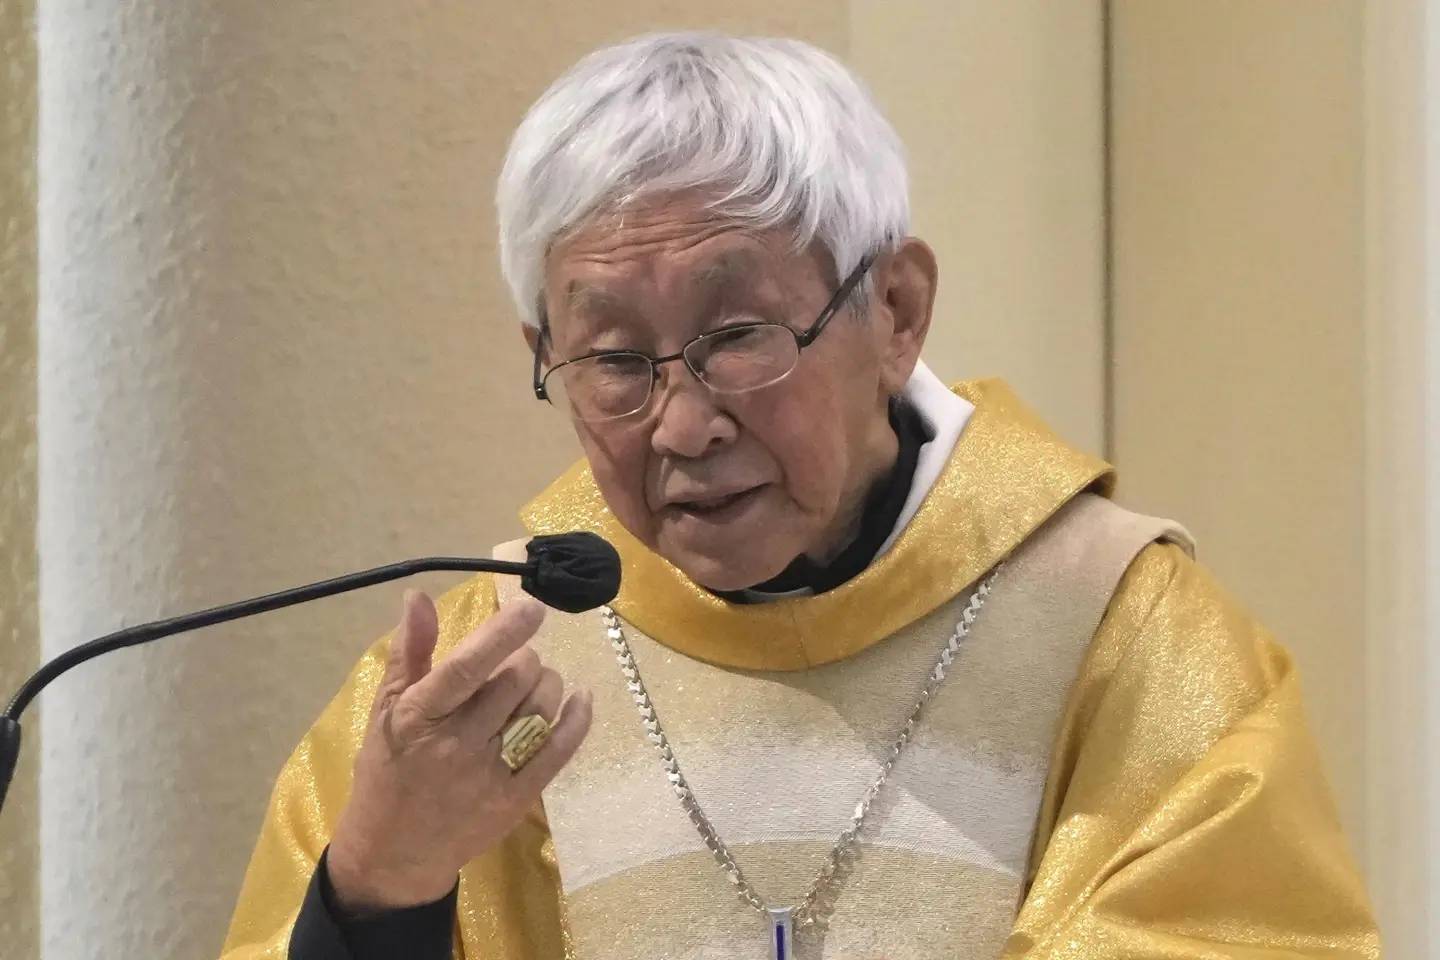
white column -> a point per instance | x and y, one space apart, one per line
273 348
1428 643
1402 558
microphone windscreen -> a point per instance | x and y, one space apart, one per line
573 571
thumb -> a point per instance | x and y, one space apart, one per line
412 644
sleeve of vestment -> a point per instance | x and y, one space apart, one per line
1186 816
508 900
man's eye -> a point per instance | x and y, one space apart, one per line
618 363
736 336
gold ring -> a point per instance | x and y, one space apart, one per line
522 740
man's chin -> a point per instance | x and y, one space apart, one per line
722 572
750 544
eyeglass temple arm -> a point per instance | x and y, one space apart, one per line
536 383
836 302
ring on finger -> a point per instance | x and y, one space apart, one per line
523 739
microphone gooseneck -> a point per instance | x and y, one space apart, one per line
572 572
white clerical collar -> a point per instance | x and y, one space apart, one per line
946 415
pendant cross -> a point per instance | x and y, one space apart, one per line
782 933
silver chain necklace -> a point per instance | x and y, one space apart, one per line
814 910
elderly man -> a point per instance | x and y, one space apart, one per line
889 675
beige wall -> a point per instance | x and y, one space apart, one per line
19 646
1000 107
1238 218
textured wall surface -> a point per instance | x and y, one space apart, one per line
19 644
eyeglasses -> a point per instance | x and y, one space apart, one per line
610 384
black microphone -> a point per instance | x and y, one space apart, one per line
568 571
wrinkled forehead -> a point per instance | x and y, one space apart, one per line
680 252
592 289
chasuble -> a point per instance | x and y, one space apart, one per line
1118 765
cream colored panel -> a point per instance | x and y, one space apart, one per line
1402 367
1238 326
1000 107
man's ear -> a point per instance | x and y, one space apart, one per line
905 291
531 335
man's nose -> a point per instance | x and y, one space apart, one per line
689 423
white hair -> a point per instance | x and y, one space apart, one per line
781 131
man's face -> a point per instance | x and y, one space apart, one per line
727 487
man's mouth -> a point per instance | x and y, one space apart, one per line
716 505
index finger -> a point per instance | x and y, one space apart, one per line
456 679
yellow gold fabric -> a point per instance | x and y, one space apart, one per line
1185 815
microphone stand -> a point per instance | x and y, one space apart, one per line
573 572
